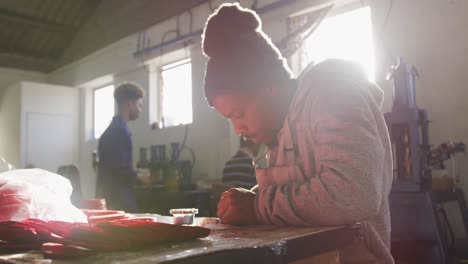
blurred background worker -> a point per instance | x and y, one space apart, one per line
239 170
116 175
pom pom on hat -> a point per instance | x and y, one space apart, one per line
229 28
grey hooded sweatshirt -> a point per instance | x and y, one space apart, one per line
332 161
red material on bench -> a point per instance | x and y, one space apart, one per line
78 239
56 250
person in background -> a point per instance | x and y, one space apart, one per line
30 166
116 174
239 170
329 157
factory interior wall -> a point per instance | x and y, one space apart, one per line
10 76
10 111
430 34
54 110
22 105
10 124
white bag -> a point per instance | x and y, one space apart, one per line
5 166
36 193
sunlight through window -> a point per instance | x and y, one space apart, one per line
103 109
177 93
345 36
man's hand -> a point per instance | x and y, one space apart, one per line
236 207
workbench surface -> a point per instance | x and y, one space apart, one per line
225 244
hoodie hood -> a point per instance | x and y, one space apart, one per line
319 78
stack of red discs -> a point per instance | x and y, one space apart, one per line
95 204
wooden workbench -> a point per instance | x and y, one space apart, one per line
226 244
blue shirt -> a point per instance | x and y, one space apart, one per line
116 175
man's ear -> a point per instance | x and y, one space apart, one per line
123 105
128 104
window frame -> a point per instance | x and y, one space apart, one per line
94 107
156 68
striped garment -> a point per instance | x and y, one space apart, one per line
239 171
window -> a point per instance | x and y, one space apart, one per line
174 88
103 109
344 36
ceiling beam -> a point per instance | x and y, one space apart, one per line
24 61
49 26
25 53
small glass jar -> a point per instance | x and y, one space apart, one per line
183 216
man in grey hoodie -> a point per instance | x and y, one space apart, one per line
329 157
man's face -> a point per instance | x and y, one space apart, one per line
134 107
253 115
